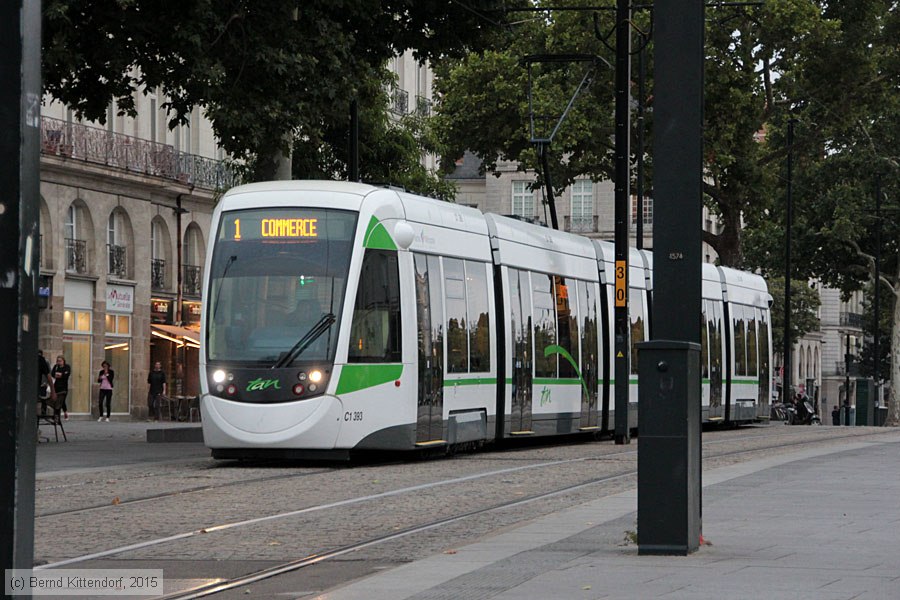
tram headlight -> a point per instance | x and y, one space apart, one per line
218 376
315 376
301 376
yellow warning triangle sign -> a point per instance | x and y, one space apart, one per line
620 355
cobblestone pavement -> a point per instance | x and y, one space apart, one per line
91 508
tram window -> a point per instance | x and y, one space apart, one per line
455 304
587 313
566 322
636 311
749 313
740 340
375 331
544 325
764 357
479 319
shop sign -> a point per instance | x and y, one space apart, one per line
160 310
192 311
119 298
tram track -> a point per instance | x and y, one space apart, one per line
237 583
286 476
494 474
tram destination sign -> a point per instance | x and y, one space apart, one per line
274 227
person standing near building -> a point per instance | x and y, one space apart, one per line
60 374
157 380
105 378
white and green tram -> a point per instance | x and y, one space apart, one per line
343 317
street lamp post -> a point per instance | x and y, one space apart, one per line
789 218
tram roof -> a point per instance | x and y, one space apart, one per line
304 185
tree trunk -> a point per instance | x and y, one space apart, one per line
728 242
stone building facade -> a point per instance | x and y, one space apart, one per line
125 214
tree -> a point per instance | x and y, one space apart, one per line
851 117
270 74
483 104
805 304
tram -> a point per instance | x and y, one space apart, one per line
343 317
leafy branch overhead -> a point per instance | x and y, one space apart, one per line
266 72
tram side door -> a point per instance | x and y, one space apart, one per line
429 319
520 332
587 311
716 363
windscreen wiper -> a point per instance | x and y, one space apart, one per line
231 260
303 343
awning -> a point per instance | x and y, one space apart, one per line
177 335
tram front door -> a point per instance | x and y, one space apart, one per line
429 317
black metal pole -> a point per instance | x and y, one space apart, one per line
669 445
20 121
877 302
354 140
789 219
847 384
543 150
622 348
642 75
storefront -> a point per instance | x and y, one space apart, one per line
76 347
176 347
117 343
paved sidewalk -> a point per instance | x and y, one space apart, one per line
818 524
122 441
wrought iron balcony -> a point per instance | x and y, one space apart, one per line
95 145
851 319
423 106
191 281
76 256
158 274
400 102
117 265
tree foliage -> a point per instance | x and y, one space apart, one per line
848 130
268 73
484 103
805 304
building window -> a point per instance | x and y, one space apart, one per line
115 235
76 249
158 273
522 200
582 205
648 210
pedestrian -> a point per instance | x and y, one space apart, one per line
60 374
105 378
157 380
45 383
835 415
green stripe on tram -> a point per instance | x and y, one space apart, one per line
471 381
555 381
377 236
360 377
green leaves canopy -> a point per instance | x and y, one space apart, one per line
267 72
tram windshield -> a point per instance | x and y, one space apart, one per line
277 273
